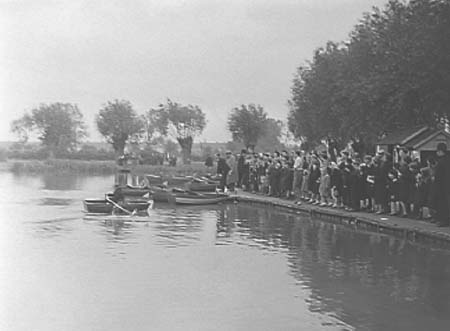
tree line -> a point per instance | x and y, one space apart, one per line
392 73
60 126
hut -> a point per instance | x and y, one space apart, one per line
420 140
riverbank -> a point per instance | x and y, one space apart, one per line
410 229
97 167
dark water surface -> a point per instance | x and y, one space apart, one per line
227 267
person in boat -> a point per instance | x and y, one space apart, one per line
222 170
118 195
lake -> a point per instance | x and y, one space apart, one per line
225 267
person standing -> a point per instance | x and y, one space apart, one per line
442 186
298 175
222 170
241 167
232 177
209 162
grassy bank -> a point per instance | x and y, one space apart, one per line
97 167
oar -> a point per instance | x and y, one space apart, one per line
117 205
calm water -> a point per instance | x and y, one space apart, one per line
230 267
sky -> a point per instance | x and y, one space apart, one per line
214 54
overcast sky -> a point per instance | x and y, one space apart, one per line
215 54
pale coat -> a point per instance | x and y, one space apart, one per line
233 174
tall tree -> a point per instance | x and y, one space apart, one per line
384 78
270 139
117 121
247 124
59 126
181 122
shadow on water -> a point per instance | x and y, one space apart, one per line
370 281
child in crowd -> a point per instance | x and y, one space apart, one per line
325 186
393 189
304 191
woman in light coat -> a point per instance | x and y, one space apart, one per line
232 177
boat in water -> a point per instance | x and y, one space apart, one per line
186 197
109 206
194 198
133 191
201 185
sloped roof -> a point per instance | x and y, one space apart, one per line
401 137
424 137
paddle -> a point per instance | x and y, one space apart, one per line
117 205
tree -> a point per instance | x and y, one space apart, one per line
270 139
181 122
247 124
384 78
118 122
59 126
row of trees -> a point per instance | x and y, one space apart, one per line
60 126
392 73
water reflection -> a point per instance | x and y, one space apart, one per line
368 280
53 228
61 181
236 266
55 202
179 226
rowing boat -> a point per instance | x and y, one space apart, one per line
193 198
133 191
200 186
106 206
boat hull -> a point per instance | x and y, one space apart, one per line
102 206
201 187
187 199
134 191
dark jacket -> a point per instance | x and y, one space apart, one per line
222 167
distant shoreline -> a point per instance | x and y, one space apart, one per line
96 167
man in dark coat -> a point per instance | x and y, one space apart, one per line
222 170
241 166
442 186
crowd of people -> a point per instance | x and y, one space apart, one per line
372 183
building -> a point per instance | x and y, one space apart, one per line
421 140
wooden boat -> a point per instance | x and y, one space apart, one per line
133 191
154 179
178 180
193 198
161 193
106 206
199 185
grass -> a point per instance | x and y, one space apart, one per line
98 167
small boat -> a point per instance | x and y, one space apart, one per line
160 193
133 191
154 179
201 185
107 206
193 198
178 180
